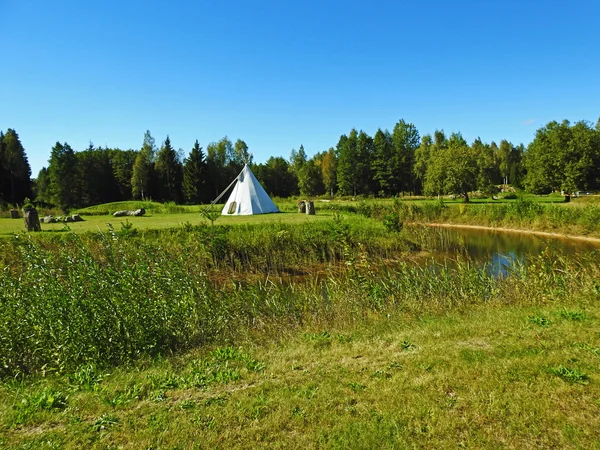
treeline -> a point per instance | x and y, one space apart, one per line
398 162
561 157
101 175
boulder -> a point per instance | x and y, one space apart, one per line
32 220
48 219
128 212
76 218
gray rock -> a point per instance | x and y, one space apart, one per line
48 219
128 212
76 218
32 220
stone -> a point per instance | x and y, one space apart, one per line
14 213
310 208
76 218
32 220
48 219
128 212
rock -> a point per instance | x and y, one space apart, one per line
69 219
48 219
76 218
32 220
14 213
128 212
310 208
302 206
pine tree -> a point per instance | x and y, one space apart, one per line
381 165
363 176
62 168
347 156
168 170
15 172
194 176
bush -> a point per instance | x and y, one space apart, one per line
392 223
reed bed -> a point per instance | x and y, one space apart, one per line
111 298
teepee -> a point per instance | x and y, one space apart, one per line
248 197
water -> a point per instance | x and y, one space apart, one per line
500 251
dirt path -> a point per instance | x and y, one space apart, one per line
592 239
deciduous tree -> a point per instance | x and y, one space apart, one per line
143 168
329 171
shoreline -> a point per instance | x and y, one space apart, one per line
591 239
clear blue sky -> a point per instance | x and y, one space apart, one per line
278 74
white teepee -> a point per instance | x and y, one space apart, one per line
248 197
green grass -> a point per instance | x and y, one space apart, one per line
307 332
114 296
543 213
158 221
480 378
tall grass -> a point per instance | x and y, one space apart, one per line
521 213
110 298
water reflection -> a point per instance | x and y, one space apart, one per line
501 252
501 264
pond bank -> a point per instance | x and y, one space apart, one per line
590 239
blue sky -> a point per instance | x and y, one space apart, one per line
278 74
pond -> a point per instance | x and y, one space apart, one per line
499 250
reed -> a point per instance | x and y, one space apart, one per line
111 298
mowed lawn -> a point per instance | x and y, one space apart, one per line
156 221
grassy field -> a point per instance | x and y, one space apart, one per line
542 213
487 377
156 221
288 331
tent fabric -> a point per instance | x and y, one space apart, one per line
248 197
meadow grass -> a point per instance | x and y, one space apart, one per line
155 221
542 213
113 296
488 376
316 334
